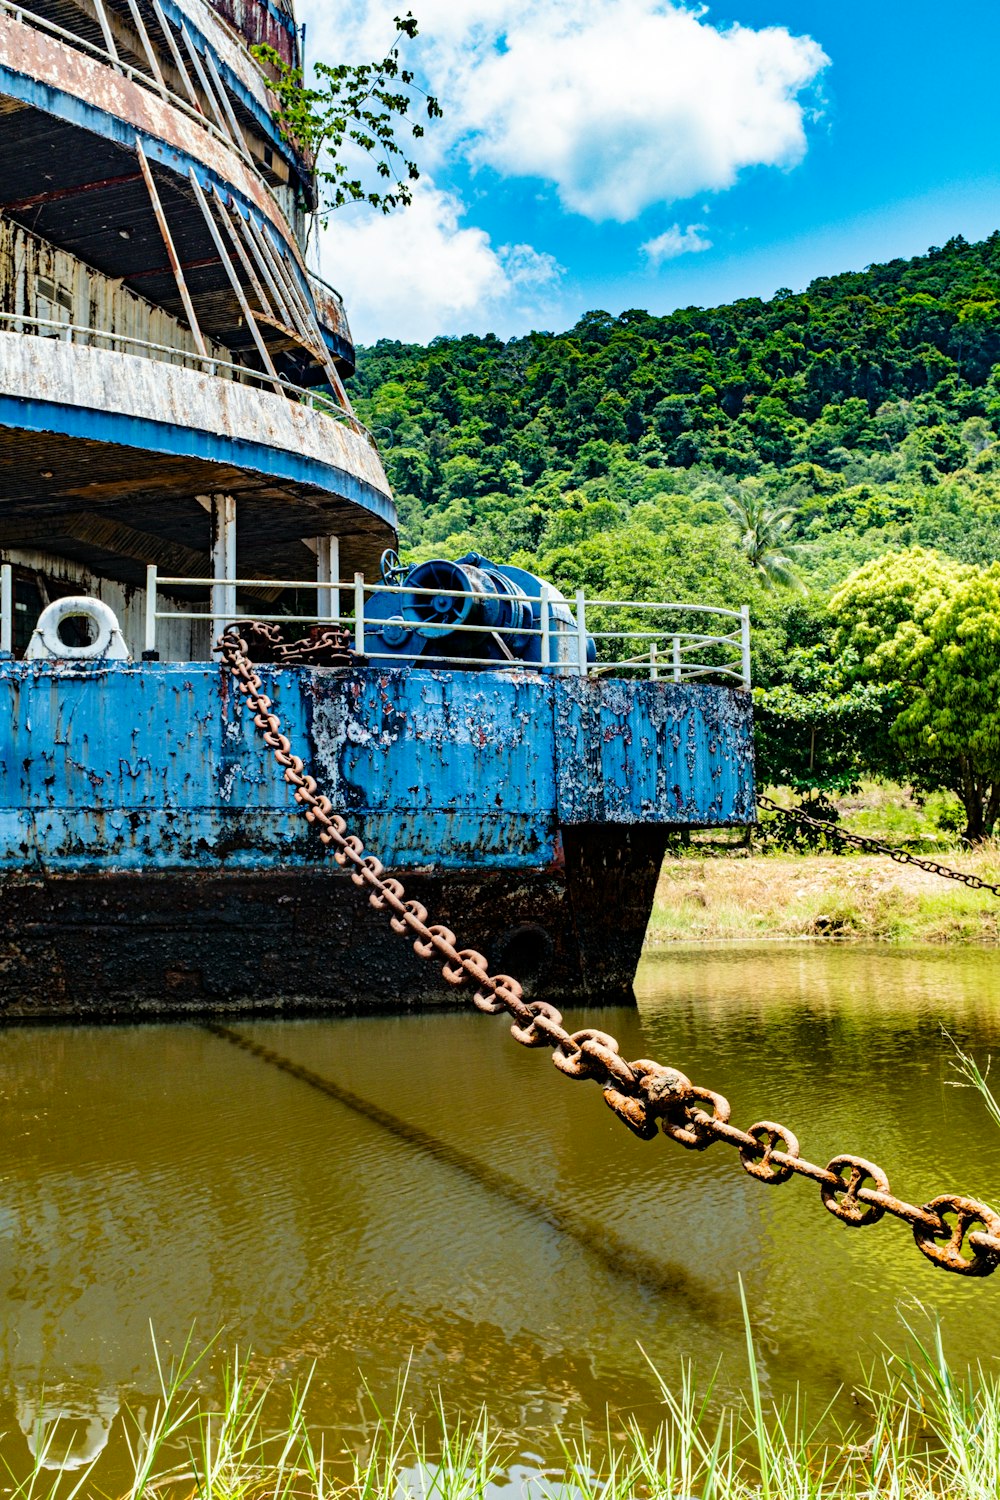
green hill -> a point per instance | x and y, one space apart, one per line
869 403
663 457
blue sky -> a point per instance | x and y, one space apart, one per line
645 153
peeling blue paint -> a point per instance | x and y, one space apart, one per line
158 766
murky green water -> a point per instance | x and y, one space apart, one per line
502 1231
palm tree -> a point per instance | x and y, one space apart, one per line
764 536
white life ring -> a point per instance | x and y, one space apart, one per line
107 645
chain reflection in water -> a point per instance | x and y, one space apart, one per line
645 1095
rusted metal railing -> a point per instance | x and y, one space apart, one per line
208 364
148 80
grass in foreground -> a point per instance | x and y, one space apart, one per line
923 1435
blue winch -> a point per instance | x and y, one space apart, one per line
469 612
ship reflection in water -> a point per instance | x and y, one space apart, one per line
454 1202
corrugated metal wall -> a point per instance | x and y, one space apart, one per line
176 639
37 280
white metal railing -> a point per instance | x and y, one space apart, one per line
77 333
564 631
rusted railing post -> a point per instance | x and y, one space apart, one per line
745 644
149 650
543 616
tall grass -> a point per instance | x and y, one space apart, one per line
923 1434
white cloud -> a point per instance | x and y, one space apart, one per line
419 273
619 105
676 241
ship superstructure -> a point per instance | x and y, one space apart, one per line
166 358
177 443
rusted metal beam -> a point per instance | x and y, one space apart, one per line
309 328
148 48
175 264
213 103
234 127
175 53
235 282
309 334
109 41
238 246
248 231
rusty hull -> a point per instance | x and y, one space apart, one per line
152 861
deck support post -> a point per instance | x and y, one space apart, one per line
745 645
327 578
172 256
222 509
6 610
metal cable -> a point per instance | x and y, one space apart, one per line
876 846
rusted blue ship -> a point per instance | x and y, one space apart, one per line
179 451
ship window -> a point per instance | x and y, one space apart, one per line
54 302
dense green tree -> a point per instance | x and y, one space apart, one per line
929 629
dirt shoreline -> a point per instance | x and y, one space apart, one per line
822 898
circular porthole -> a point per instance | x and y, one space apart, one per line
524 952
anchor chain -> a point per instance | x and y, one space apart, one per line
876 846
647 1096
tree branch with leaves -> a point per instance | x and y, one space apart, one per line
349 112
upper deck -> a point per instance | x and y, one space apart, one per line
166 356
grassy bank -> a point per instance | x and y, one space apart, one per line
921 1434
704 898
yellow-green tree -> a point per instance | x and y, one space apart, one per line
931 628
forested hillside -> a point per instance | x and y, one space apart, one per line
716 453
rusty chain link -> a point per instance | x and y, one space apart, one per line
647 1096
861 841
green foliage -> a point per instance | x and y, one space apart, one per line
857 418
764 531
930 629
818 731
730 455
352 111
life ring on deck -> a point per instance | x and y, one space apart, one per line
108 643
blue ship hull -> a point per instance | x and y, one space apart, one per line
152 860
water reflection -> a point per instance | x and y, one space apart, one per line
351 1193
65 1430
